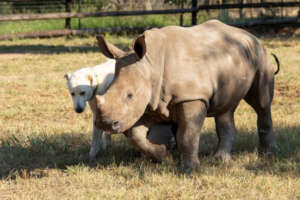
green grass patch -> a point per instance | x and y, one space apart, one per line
92 22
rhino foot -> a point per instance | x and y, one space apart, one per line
186 166
171 145
268 150
159 153
223 156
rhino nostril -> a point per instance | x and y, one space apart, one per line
115 123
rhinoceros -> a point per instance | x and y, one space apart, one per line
183 75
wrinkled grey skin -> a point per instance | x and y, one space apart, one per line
183 75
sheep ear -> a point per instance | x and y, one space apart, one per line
108 49
67 76
90 78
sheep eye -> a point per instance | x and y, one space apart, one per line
82 93
129 95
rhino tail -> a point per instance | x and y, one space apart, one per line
277 63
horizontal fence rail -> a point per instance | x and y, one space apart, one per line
95 14
65 15
251 5
68 7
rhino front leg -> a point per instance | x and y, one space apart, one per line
191 116
138 138
226 133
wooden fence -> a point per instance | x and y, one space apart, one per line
194 9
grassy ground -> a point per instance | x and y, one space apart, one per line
44 145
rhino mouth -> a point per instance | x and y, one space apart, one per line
114 126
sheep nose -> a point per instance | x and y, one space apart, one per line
115 125
79 109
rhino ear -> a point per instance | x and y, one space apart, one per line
140 46
108 49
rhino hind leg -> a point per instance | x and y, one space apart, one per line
226 132
267 143
260 98
191 116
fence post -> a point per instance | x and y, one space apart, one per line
68 9
241 9
194 13
181 15
224 12
79 10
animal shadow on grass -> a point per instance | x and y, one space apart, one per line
34 154
52 49
46 49
286 159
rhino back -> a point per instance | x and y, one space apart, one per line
213 62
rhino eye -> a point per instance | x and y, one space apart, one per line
129 95
73 94
82 93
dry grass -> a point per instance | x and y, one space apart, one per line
44 145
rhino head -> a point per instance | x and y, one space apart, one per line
132 89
